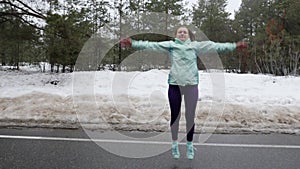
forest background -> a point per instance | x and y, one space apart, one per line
54 32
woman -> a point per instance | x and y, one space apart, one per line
183 77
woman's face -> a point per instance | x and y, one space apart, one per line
182 34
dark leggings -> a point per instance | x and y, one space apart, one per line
190 94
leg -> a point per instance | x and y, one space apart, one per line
190 100
174 95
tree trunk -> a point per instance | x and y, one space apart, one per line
63 69
57 68
52 67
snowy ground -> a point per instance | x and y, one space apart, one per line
228 103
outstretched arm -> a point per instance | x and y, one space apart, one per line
209 46
140 45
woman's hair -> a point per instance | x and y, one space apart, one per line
191 34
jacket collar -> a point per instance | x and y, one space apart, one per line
182 42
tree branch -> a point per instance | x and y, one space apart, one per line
33 13
19 16
18 11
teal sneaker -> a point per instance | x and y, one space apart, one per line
190 150
175 150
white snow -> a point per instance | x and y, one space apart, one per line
228 102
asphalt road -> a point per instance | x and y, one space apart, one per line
68 149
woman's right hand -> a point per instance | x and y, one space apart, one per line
125 42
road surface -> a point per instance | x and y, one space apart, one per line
74 149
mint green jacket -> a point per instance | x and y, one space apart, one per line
183 56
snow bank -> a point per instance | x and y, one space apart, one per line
138 101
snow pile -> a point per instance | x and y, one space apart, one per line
138 101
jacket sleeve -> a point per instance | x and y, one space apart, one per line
209 47
156 46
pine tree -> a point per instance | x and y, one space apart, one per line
172 10
210 16
65 35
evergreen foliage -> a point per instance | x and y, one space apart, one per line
31 33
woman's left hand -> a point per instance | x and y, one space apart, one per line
241 45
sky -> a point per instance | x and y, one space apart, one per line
233 5
250 103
